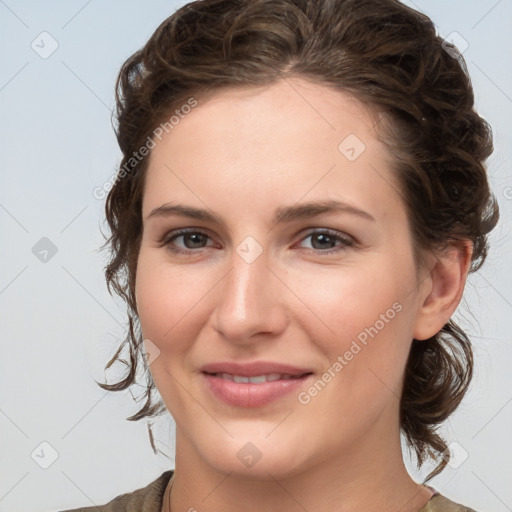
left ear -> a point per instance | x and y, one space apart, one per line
442 289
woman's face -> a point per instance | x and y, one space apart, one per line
297 266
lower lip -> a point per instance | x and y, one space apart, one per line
246 394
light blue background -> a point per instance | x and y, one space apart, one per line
60 326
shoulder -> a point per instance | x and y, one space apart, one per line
146 499
440 503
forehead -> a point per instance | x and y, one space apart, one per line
292 108
293 138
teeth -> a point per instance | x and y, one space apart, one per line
257 379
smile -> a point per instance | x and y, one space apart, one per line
254 391
257 379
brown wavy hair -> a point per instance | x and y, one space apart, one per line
388 56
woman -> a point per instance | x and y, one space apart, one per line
301 198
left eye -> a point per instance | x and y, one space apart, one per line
328 240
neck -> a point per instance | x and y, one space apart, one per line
369 476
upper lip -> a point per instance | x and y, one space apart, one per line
253 369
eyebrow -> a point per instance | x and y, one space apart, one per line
282 215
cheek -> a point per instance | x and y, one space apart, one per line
341 303
168 300
361 322
167 303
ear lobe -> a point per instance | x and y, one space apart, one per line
447 278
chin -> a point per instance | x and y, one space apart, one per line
259 457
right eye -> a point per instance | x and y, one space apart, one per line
191 239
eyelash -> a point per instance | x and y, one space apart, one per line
345 241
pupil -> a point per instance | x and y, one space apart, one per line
325 238
196 239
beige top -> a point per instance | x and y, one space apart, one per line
150 499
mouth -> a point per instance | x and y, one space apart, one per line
249 387
257 379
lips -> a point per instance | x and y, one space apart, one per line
253 384
253 369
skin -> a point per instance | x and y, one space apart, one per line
241 154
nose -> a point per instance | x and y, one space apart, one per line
251 302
